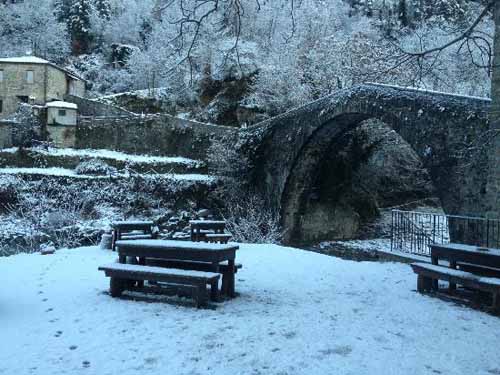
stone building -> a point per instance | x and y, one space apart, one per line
34 80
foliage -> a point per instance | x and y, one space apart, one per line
27 128
79 16
32 27
250 220
8 191
248 217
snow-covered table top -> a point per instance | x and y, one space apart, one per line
132 223
468 248
209 222
176 245
466 253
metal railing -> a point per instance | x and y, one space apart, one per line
414 232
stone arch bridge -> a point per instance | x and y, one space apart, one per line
286 150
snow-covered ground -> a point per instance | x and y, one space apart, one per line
108 154
63 172
298 313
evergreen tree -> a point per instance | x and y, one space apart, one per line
103 9
61 9
79 26
403 13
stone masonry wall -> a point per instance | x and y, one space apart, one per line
5 134
87 107
155 135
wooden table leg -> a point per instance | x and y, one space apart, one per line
113 240
142 262
231 279
435 285
453 287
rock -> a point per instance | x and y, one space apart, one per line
47 249
106 240
204 213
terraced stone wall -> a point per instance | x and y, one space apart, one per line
154 135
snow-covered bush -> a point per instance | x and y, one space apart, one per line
9 191
248 217
95 167
32 27
225 160
27 127
250 220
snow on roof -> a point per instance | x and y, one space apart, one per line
24 59
60 104
38 60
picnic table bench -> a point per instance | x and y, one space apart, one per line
131 230
123 276
183 263
209 231
470 266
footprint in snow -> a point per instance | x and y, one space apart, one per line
73 347
49 309
58 334
342 350
86 364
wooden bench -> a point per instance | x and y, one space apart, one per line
131 230
123 277
479 270
218 237
201 228
223 268
428 273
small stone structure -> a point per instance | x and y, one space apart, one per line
61 113
62 118
34 80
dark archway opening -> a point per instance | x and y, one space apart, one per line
342 182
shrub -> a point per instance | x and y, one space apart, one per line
249 220
95 167
9 191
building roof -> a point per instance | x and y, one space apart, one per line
60 104
38 60
24 59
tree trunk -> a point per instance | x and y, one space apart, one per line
495 82
493 187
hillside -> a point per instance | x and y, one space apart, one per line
243 61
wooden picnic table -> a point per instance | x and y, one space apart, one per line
170 250
198 228
121 228
456 253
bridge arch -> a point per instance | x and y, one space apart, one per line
436 125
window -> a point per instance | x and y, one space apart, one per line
24 99
1 104
1 75
62 112
30 76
